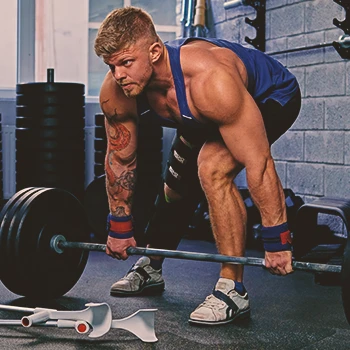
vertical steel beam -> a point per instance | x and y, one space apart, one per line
25 41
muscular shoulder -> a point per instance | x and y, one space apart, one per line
209 57
114 104
217 83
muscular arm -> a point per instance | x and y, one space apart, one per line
242 129
120 165
120 162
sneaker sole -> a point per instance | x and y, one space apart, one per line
242 315
156 288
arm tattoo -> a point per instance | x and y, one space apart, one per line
117 184
119 136
120 211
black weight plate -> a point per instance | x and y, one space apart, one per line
40 272
152 157
100 156
345 280
6 215
99 169
50 99
52 133
66 180
96 207
150 145
51 156
50 145
100 119
100 144
65 112
39 88
8 220
47 122
100 132
51 167
149 133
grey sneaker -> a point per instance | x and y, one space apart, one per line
223 306
141 278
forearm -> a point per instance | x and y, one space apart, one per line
266 190
120 184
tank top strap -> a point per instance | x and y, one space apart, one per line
174 56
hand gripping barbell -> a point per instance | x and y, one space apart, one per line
43 251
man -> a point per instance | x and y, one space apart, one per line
229 104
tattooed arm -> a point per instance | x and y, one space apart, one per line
120 167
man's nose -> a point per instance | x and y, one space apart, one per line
119 74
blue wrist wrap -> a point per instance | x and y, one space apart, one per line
120 227
276 238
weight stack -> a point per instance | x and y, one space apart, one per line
149 174
100 144
50 140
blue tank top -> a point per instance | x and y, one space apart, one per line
267 79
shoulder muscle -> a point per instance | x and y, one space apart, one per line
114 104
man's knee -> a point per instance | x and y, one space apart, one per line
216 168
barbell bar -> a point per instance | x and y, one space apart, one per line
59 244
42 254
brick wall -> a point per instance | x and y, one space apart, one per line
313 157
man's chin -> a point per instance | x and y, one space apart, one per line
132 93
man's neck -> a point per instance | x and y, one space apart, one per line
162 78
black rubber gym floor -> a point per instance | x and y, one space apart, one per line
287 312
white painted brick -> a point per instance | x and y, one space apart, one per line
312 56
347 148
347 78
325 79
281 168
271 4
276 45
287 21
299 73
311 115
337 181
324 147
319 14
217 10
337 116
305 178
331 54
289 146
227 31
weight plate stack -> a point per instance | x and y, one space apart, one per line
50 139
100 145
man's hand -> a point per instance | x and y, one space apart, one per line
116 248
279 263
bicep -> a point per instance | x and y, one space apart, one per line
121 140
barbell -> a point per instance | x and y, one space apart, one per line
44 249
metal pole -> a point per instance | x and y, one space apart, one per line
297 49
184 11
177 254
189 19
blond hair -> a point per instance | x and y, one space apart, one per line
122 28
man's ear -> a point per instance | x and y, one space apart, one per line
155 51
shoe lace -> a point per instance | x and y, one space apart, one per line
212 302
133 275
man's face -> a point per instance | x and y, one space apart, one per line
131 68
